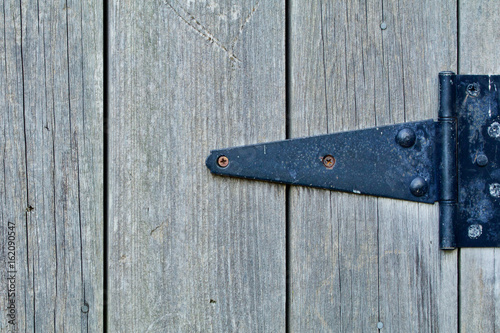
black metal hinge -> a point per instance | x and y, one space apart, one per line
452 161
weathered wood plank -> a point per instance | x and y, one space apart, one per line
418 282
333 241
13 177
55 55
479 268
358 261
188 251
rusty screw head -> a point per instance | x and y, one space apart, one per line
329 161
222 161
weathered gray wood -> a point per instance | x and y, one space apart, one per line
52 171
360 260
479 268
188 251
13 172
418 282
333 242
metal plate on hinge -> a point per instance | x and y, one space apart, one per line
369 161
478 102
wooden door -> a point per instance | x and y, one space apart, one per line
111 221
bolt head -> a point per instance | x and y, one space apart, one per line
222 161
481 160
85 308
383 25
406 137
418 187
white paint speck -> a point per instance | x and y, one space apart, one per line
356 191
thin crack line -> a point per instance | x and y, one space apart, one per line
249 16
201 30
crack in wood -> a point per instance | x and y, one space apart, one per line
193 22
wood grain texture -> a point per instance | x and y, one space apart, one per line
357 261
189 251
479 268
13 174
52 171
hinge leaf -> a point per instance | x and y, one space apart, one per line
396 161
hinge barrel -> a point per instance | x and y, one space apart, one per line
447 160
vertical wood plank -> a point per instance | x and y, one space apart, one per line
55 55
358 261
15 310
479 268
333 239
418 282
189 251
